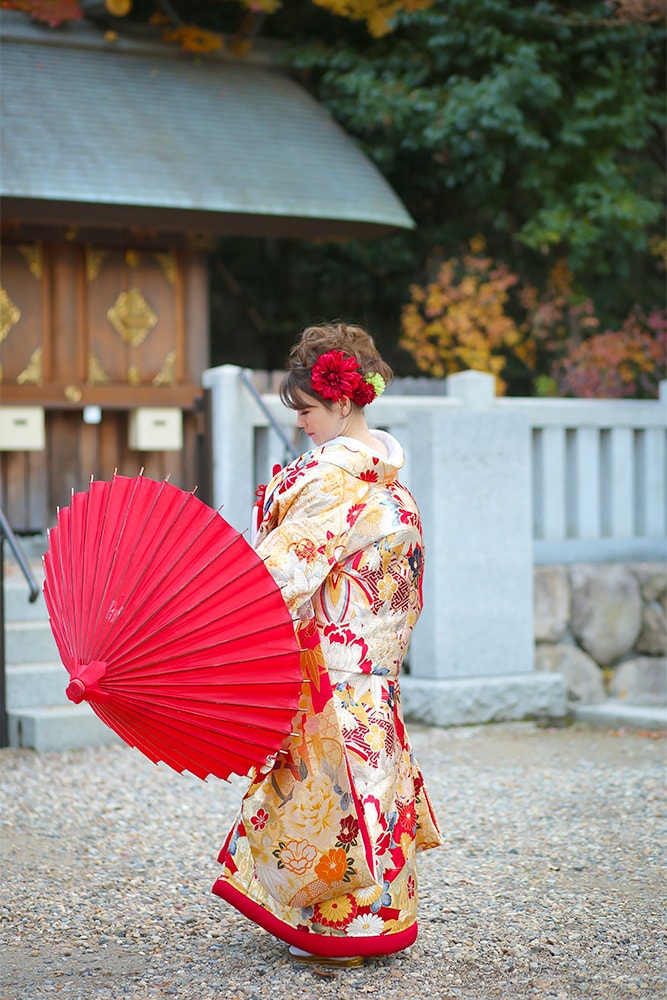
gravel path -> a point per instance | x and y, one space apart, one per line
549 884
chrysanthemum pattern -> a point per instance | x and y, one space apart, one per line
344 804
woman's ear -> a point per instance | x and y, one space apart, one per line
345 407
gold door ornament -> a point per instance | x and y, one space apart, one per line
167 374
96 374
132 317
167 262
72 393
10 314
32 373
94 259
33 255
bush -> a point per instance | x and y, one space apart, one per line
618 364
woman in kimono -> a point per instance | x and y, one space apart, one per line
323 852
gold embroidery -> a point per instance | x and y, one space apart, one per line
132 317
33 255
10 314
132 259
33 370
167 374
133 376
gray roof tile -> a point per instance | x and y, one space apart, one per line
89 122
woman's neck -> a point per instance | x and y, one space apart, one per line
355 427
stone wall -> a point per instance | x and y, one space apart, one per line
604 628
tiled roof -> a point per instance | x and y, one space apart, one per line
130 131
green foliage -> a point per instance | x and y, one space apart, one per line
534 120
538 125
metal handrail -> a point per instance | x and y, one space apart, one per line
292 451
7 532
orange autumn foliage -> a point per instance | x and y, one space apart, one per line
194 39
460 319
376 13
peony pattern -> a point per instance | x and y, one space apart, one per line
343 807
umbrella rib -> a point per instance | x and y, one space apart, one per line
64 545
107 527
245 676
119 648
213 645
85 634
167 712
158 582
172 596
176 514
173 732
116 539
155 752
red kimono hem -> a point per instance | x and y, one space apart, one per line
317 944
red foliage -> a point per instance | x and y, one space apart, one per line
51 12
618 364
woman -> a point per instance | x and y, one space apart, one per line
322 854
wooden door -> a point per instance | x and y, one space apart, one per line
89 325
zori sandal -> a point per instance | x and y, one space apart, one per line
327 960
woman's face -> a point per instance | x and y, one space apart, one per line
318 421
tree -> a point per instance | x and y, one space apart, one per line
538 125
546 125
198 28
460 319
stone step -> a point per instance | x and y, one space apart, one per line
29 642
32 547
616 714
18 607
33 685
58 728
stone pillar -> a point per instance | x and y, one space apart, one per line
472 653
232 412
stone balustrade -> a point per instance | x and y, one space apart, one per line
504 485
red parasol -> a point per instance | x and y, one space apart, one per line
171 627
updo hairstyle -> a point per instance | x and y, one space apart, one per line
317 340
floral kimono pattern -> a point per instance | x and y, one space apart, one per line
323 852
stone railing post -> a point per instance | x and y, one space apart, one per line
471 656
232 412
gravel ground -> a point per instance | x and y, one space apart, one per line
549 883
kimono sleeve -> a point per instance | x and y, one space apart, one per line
311 534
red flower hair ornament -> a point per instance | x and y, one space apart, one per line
336 376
